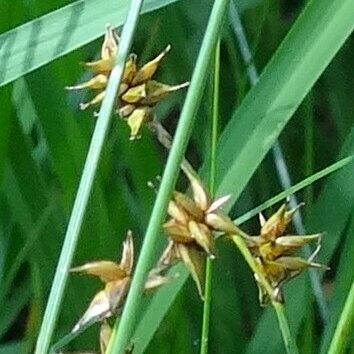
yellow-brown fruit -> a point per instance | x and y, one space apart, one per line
274 252
117 278
191 225
137 94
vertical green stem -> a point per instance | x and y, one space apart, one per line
86 182
344 329
212 175
289 341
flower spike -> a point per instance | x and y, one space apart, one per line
191 226
274 252
117 278
138 92
106 270
110 43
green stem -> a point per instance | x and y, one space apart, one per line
214 124
212 176
344 327
289 342
86 182
121 337
295 188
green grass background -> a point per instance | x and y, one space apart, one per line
44 140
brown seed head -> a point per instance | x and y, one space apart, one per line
273 252
138 92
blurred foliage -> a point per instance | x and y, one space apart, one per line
43 143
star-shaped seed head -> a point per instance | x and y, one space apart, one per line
274 252
191 225
138 92
116 278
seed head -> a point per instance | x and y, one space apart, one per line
191 225
138 92
116 278
274 252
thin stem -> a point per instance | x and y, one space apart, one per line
295 188
212 177
215 120
309 139
289 342
344 327
121 337
279 159
241 245
86 182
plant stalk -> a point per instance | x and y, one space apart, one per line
344 327
289 341
165 139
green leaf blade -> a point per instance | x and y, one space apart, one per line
51 36
304 54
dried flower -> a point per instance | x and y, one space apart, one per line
273 252
116 278
191 225
137 94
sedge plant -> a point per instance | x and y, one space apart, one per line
131 91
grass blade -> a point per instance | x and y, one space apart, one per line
5 120
68 338
342 284
25 250
51 36
295 188
12 347
120 338
158 307
294 68
87 178
13 306
344 327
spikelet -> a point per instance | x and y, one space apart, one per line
274 252
138 92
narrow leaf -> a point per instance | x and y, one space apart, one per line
38 42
